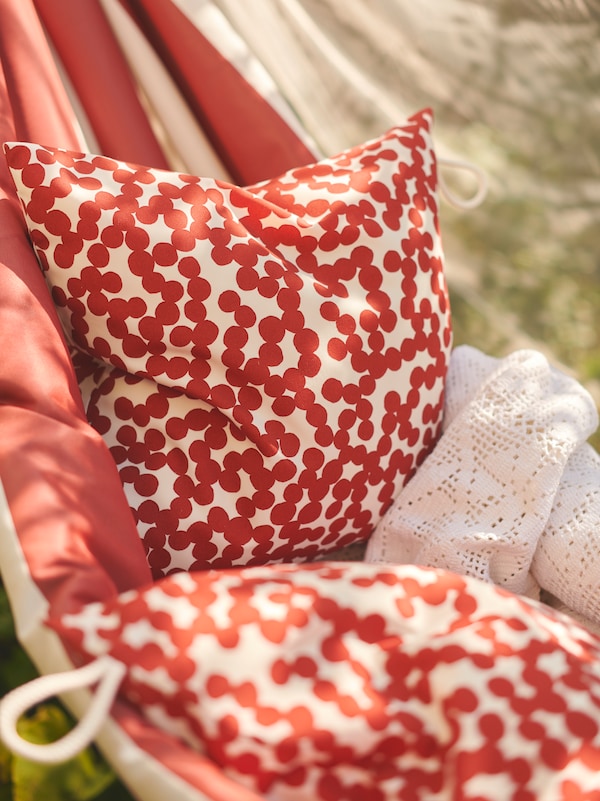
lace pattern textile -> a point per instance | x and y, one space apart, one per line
511 493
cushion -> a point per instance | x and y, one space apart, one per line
270 360
357 681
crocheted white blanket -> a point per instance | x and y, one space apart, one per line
511 493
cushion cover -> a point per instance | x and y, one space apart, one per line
355 681
269 360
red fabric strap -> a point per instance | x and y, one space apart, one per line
56 472
252 139
34 97
101 77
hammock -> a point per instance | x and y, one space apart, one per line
269 378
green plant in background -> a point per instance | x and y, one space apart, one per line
527 115
83 778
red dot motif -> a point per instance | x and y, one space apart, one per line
241 331
355 680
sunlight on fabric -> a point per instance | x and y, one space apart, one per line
193 151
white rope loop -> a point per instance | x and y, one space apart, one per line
105 671
464 204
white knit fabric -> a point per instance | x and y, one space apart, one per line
511 493
567 560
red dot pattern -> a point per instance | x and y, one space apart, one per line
246 330
332 681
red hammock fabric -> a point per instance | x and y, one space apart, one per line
56 472
53 467
100 75
249 135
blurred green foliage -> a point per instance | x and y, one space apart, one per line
528 115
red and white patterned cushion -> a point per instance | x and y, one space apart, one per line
271 358
355 681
